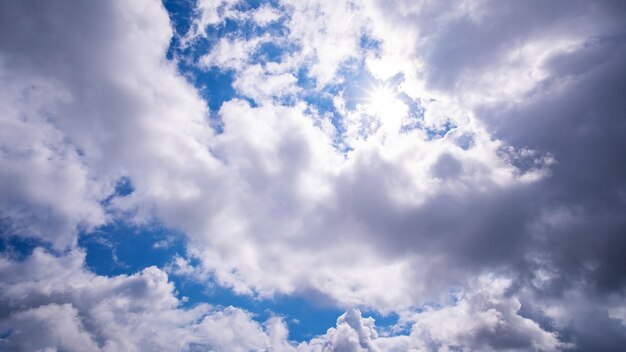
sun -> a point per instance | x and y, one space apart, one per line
382 100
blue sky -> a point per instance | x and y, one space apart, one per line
321 175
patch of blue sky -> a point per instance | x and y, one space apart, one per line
368 43
436 133
19 247
322 104
248 5
181 16
122 248
123 187
351 84
383 322
304 317
416 110
268 52
416 114
215 84
273 51
240 28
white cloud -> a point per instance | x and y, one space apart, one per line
58 327
485 318
54 303
47 190
141 312
259 84
271 205
232 54
82 111
265 15
352 333
328 33
209 12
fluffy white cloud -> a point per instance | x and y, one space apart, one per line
265 15
483 318
232 54
47 190
499 150
328 34
261 84
53 303
82 111
352 333
209 12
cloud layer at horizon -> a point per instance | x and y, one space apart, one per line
456 163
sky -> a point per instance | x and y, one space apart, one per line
312 175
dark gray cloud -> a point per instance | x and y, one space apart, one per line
577 115
570 223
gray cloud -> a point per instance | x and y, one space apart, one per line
529 185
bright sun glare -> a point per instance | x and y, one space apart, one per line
382 99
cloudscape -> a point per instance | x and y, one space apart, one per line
312 175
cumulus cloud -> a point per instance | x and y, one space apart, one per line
495 145
235 54
482 318
54 303
352 333
485 318
82 111
73 309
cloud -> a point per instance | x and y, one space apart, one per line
482 318
265 15
352 333
81 111
235 54
259 84
142 312
58 326
497 149
485 318
55 303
